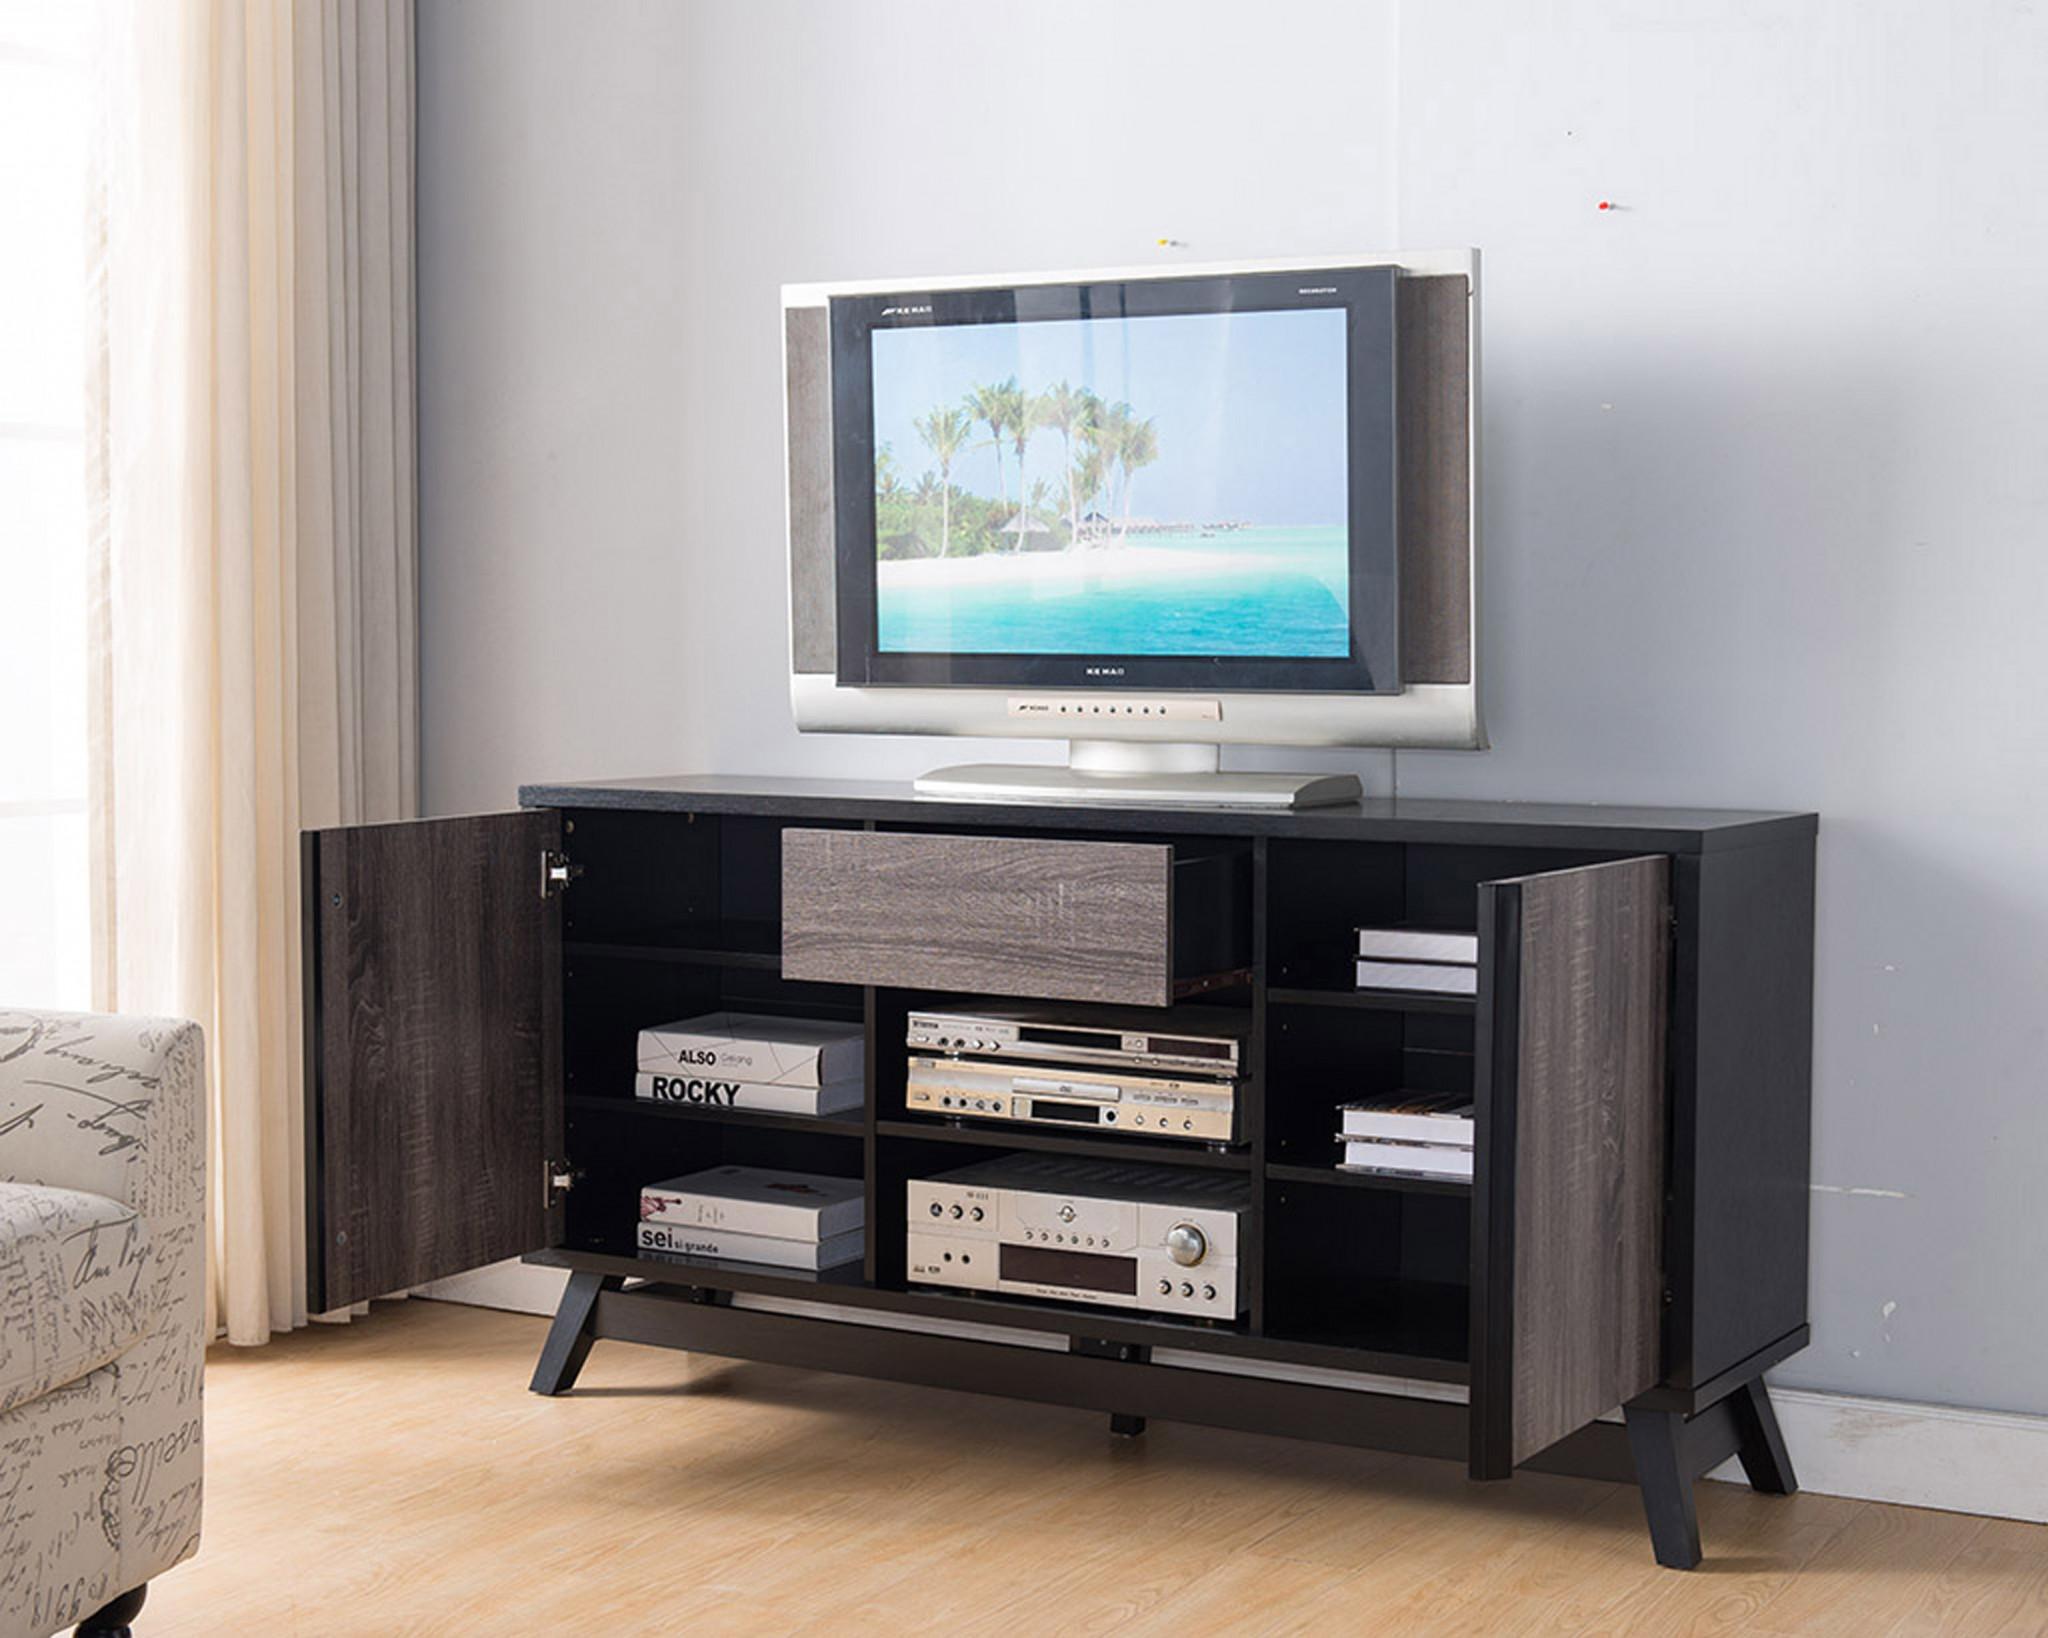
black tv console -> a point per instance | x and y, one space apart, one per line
1639 1051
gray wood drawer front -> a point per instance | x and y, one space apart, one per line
1002 915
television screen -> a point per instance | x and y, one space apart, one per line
1161 482
1163 485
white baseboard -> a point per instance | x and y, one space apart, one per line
1889 1450
1885 1450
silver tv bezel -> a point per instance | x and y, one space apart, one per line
1423 715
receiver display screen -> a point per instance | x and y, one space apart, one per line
1076 1270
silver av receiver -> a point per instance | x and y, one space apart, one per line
1123 1236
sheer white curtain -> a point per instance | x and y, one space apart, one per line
251 468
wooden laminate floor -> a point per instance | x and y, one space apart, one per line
396 1477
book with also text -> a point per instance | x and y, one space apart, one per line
756 1049
711 1092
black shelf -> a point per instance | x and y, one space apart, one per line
846 1123
847 1287
1412 1320
708 1273
1330 1176
1004 1136
1374 1000
750 945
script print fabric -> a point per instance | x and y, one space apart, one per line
102 1148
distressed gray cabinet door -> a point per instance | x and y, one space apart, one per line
433 1050
1568 1193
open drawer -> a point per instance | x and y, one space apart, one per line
1141 923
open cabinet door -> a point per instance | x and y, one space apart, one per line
1568 1191
433 1050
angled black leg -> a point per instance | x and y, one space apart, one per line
1657 1439
1761 1447
111 1620
1126 1427
569 1338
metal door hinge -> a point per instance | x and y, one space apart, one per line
560 1177
556 872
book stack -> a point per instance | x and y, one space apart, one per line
1415 1134
1417 958
741 1060
748 1214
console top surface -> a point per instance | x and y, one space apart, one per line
1374 819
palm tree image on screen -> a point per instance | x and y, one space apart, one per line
1101 448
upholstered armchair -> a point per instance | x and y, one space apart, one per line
102 1313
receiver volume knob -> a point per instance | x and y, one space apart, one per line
1186 1244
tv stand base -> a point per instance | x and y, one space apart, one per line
1124 773
1663 1451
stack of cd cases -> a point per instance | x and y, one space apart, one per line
1416 958
1407 1133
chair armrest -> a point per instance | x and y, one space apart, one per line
114 1105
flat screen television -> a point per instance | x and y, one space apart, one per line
1151 511
1168 483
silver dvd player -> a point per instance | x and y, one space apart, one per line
1157 1106
1195 1040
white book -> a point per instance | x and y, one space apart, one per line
680 1241
1431 1160
1416 975
755 1200
710 1093
756 1049
1412 1117
1418 944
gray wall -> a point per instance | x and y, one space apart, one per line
1766 448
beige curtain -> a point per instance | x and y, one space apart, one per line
253 621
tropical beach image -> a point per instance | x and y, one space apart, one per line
1159 485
